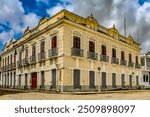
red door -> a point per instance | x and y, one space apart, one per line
34 80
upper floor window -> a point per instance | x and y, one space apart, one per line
103 50
142 61
8 60
54 42
114 53
91 46
11 59
130 58
33 50
42 46
76 42
136 59
14 57
20 55
122 55
26 53
3 62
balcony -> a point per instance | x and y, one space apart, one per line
137 65
104 58
19 63
123 62
25 61
92 55
130 64
3 68
53 52
77 52
12 66
33 59
114 60
41 56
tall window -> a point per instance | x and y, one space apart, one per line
76 42
8 60
54 42
20 55
114 53
122 55
136 59
33 50
130 58
3 62
103 50
14 57
91 46
11 59
26 53
42 46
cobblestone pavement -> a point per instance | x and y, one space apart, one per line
117 95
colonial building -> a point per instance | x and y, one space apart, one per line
69 53
145 65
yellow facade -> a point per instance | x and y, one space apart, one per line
67 68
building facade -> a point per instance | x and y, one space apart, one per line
145 66
69 53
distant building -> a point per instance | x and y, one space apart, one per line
145 65
70 53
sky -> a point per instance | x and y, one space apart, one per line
17 15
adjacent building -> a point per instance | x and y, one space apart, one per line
145 66
70 53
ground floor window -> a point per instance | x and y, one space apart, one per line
76 78
19 80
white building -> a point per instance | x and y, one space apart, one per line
145 65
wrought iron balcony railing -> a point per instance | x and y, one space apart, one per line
137 65
77 52
41 56
104 58
123 62
53 52
25 61
92 55
33 59
19 63
130 64
114 60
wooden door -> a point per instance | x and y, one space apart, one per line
34 80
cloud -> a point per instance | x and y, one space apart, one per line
43 1
52 11
13 14
108 12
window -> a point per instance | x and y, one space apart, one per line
114 53
136 59
42 46
130 58
142 61
26 53
8 60
122 55
54 42
20 55
91 46
103 50
33 50
14 57
76 42
148 62
144 79
3 62
11 59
